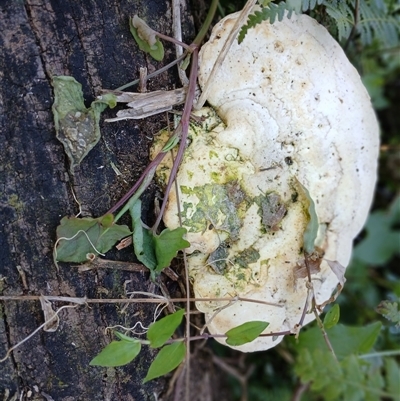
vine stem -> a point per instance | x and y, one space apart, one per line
314 309
184 127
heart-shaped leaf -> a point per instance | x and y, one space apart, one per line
78 237
167 244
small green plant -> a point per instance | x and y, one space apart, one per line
172 351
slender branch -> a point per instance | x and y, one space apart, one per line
157 160
380 354
314 309
84 300
174 41
184 126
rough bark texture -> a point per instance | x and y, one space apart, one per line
90 41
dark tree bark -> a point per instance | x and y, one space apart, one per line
90 41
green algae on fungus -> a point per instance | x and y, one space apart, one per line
213 208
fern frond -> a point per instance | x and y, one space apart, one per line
275 11
375 23
343 16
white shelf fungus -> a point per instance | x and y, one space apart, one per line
288 112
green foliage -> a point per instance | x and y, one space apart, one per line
167 244
392 369
382 240
142 238
320 367
332 317
117 353
245 333
78 237
166 360
343 15
351 377
359 340
375 20
311 231
162 330
155 251
77 127
272 11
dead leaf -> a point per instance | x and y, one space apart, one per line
338 269
49 315
313 259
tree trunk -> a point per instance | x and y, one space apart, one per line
89 40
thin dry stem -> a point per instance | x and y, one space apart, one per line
315 310
177 32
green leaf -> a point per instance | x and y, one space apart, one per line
77 127
382 241
311 231
321 369
162 330
167 360
124 337
156 50
359 340
332 317
142 238
87 235
354 376
167 244
392 377
155 251
117 353
245 333
172 142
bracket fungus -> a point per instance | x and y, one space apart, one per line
290 124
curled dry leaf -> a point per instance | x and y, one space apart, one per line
49 315
338 270
144 31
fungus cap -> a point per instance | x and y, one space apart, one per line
289 112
